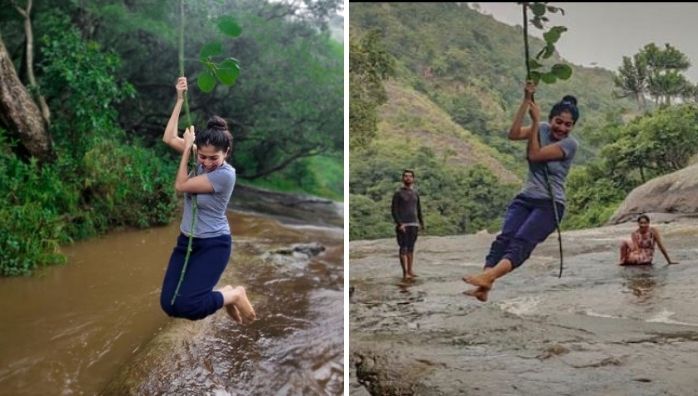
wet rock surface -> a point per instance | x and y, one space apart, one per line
307 250
601 329
289 208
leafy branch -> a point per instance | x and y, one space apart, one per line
226 71
533 66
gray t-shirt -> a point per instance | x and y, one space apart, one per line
535 186
211 208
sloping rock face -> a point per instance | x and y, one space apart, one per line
297 209
675 194
601 329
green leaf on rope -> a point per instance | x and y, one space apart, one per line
556 9
537 23
206 81
561 71
538 9
533 64
546 52
548 78
552 35
210 49
229 26
535 76
228 71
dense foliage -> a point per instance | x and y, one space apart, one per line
454 200
652 145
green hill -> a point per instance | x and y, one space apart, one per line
472 66
412 118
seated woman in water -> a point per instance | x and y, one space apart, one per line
211 246
639 249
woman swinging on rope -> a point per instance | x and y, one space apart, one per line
530 217
192 296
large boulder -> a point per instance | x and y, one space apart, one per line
675 194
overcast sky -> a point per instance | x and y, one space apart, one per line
600 34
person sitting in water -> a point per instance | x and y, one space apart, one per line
639 249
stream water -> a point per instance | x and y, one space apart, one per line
70 329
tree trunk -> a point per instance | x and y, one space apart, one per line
20 112
45 113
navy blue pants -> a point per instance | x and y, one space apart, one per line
196 298
527 223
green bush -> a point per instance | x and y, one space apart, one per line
320 175
126 186
30 221
45 206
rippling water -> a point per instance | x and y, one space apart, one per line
71 328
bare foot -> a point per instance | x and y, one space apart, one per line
412 274
480 280
230 308
242 303
233 313
479 293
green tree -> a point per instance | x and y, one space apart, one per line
658 143
665 80
647 147
631 79
369 66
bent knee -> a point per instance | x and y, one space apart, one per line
625 243
183 308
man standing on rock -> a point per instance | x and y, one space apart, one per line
407 214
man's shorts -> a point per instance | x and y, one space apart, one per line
407 239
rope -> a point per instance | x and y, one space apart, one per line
186 110
557 216
545 170
191 238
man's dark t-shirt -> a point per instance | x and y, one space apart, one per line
406 208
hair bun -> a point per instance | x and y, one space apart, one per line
569 99
217 122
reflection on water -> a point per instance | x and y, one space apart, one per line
641 281
69 329
405 284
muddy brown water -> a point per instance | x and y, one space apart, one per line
70 329
601 329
